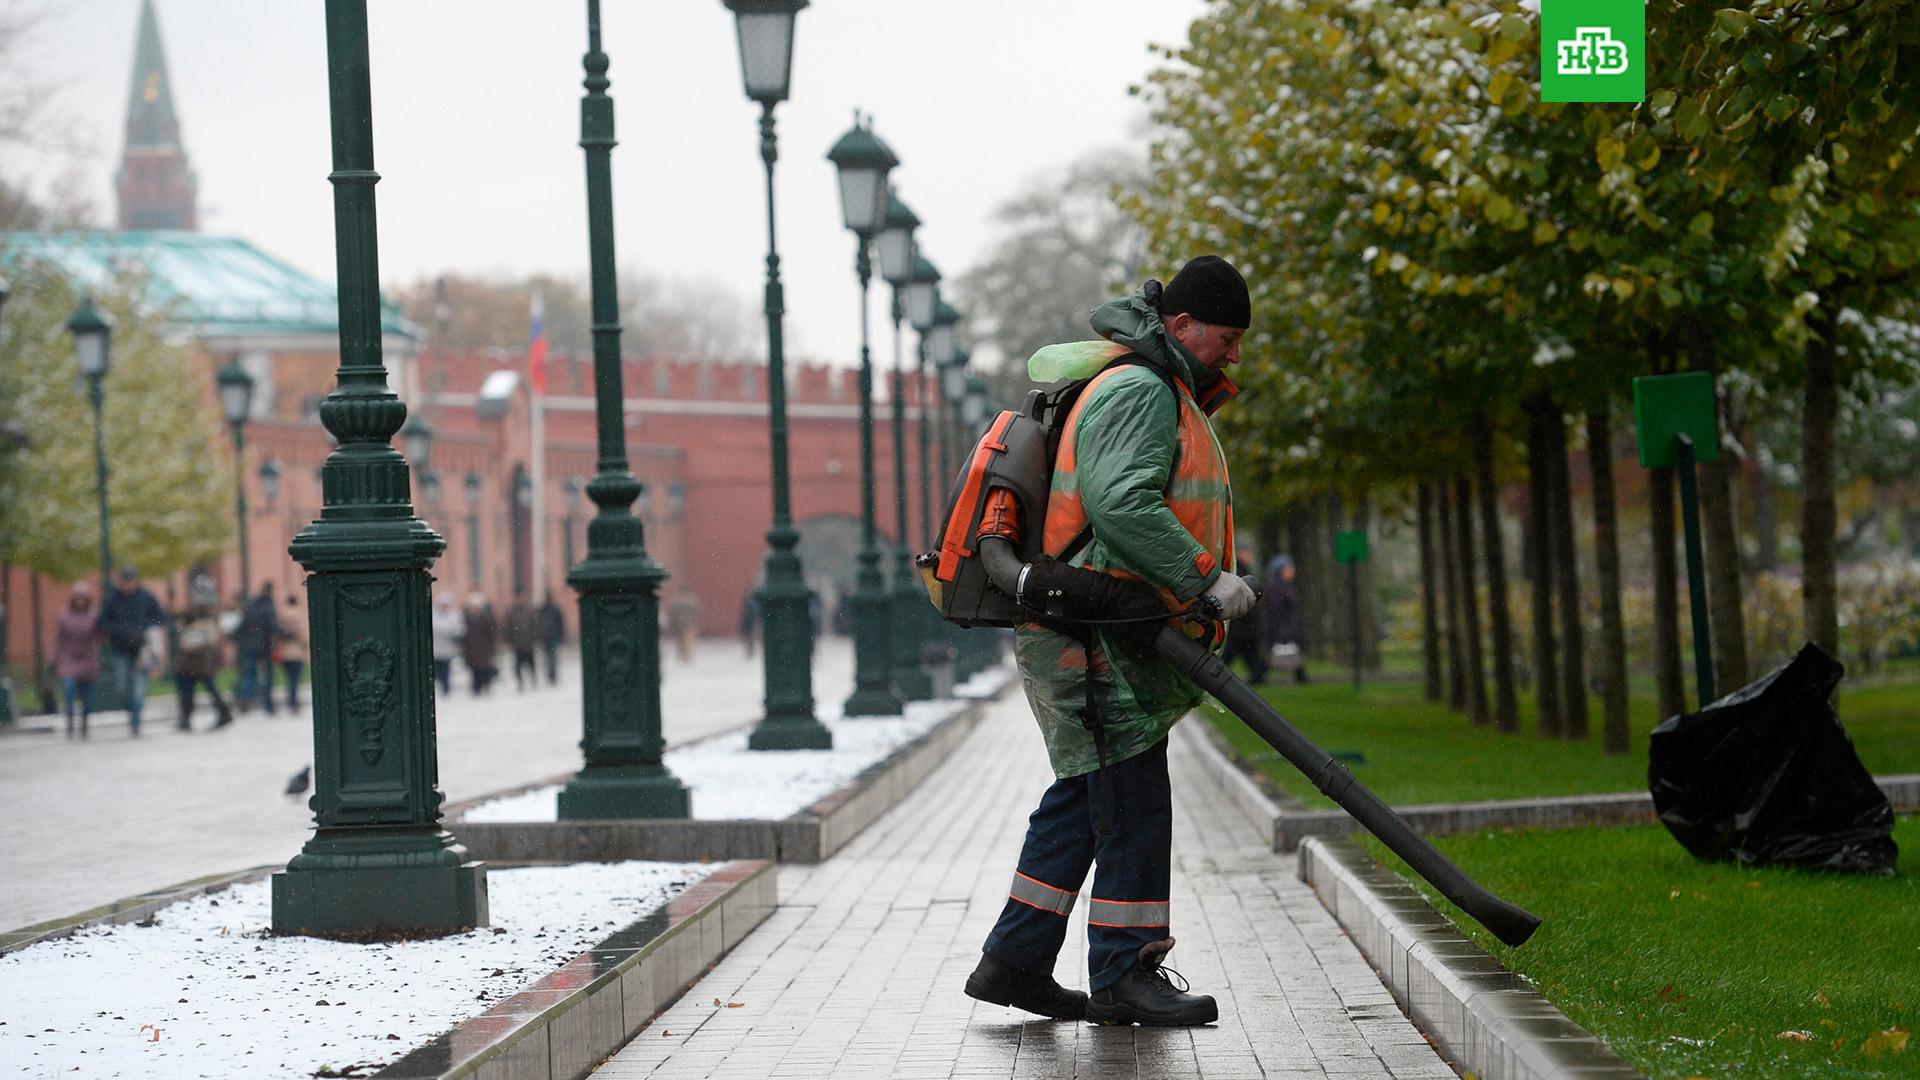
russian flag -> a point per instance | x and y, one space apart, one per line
537 347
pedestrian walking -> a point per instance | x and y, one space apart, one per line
480 642
197 662
750 620
523 637
1286 628
1247 636
125 617
253 650
449 627
553 631
1141 481
76 655
293 649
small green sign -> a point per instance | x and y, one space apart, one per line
1593 50
1350 546
1668 405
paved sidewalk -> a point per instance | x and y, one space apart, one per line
89 823
858 973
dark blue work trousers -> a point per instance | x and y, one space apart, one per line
1128 906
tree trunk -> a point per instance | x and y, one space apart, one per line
1450 582
1546 666
1429 616
1470 601
1338 641
1506 710
1369 614
1566 572
1725 619
1766 525
1818 516
1611 658
1666 593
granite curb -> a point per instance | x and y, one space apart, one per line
131 909
808 837
1487 1021
565 1025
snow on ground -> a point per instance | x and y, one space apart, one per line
732 783
205 992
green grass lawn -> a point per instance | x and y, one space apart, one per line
1414 751
1696 969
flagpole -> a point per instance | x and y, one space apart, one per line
539 496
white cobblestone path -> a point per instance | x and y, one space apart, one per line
88 823
858 973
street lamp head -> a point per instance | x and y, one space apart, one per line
416 440
676 500
923 293
270 481
5 291
765 28
572 490
895 242
863 162
92 339
973 406
236 392
430 487
523 491
941 340
472 484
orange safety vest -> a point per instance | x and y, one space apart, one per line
1198 491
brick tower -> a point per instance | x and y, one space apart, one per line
156 188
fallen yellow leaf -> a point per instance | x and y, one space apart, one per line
1820 998
1890 1041
1795 1036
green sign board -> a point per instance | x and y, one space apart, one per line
1350 546
1668 405
1593 50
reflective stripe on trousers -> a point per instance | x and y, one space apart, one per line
1036 893
1127 912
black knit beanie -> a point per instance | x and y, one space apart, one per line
1211 290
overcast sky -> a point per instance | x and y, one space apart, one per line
476 122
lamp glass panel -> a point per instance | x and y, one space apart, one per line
235 397
895 248
863 197
953 382
940 343
920 304
766 52
90 351
418 444
269 481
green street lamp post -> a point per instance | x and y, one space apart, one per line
236 404
92 351
910 608
6 688
618 582
863 162
378 860
571 498
472 486
765 29
923 301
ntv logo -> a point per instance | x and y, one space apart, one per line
1593 50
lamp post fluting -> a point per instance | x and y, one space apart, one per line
235 387
93 350
910 608
765 29
863 162
618 582
378 860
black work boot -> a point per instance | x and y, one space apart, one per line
1148 995
1035 991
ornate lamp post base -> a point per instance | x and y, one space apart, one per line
908 622
357 882
599 792
787 654
872 694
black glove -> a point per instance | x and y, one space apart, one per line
1066 593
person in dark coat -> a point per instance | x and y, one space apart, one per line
125 617
196 660
1286 628
1246 635
253 649
553 631
523 637
481 642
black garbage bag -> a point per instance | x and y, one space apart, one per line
1767 775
